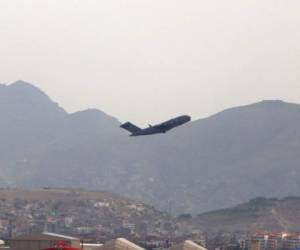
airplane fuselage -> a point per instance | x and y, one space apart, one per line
163 127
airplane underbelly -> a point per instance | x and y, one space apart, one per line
150 131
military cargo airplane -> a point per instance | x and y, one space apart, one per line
156 129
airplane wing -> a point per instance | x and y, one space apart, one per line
164 127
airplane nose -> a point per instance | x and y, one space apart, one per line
187 117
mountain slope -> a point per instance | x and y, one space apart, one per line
212 163
34 128
281 215
242 153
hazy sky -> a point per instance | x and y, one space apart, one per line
149 60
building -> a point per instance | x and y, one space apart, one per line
42 241
291 241
273 241
61 246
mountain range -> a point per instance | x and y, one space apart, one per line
212 163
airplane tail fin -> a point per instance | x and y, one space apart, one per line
130 127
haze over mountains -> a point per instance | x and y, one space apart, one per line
211 163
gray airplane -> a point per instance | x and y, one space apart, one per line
156 129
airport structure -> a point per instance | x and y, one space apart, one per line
51 241
187 245
120 244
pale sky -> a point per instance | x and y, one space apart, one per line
149 60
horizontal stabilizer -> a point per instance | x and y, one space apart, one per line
130 127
